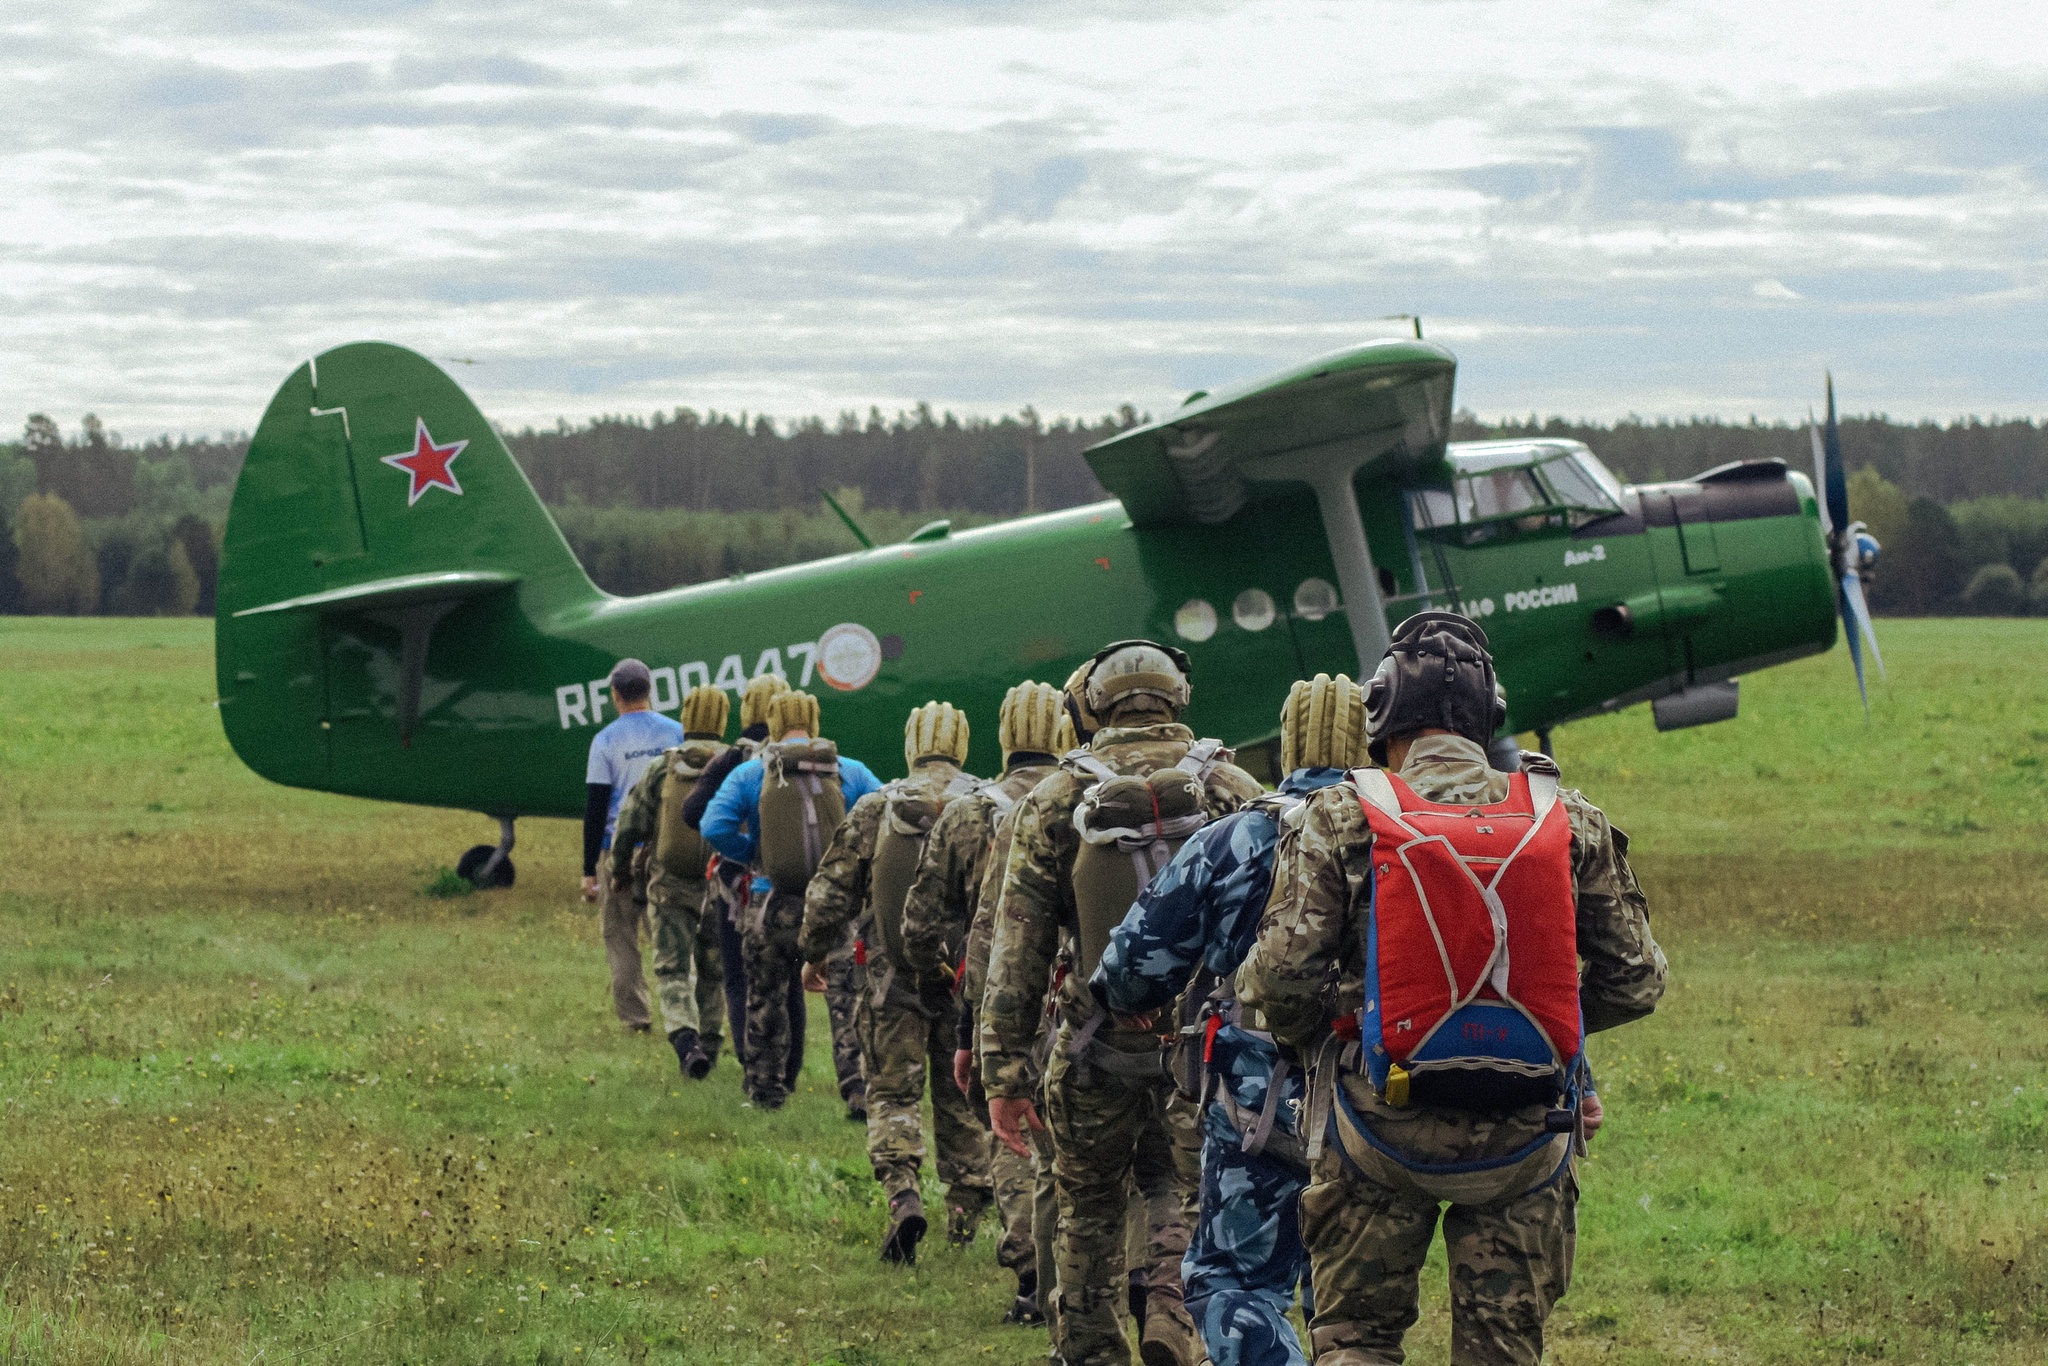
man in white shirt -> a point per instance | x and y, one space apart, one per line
619 754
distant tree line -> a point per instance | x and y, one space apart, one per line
91 524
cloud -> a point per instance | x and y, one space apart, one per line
811 206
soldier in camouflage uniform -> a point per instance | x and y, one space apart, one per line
1202 912
1369 1216
1108 1120
731 889
905 1020
773 918
729 881
937 916
688 971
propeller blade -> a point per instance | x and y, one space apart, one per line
1820 474
1844 604
1852 592
1837 478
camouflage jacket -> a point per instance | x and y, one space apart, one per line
940 906
640 819
1202 911
839 891
1037 918
981 932
1312 939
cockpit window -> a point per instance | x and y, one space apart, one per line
1576 476
1498 493
1502 487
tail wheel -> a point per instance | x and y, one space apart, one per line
471 867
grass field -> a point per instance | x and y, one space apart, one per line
266 1101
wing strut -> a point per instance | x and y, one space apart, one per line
1328 470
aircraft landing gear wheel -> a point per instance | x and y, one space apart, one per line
471 867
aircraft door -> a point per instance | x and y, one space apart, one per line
1697 544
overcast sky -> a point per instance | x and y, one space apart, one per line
798 208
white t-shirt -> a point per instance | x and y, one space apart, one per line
621 752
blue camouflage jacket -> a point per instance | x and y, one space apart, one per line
1204 908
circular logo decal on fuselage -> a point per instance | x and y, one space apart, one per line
849 656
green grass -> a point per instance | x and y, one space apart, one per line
264 1097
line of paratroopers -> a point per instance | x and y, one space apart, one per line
1207 1049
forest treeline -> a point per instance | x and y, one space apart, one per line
95 524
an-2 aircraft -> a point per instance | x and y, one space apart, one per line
400 618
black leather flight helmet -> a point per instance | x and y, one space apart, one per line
1436 675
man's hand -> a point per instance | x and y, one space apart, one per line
590 889
814 978
1140 1024
1591 1116
963 1069
1010 1118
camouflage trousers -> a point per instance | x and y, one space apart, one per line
775 1003
1107 1130
842 1001
1510 1262
689 974
1246 1256
1045 1217
1024 1194
1016 1188
902 1049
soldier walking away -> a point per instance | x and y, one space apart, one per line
905 1021
777 811
730 882
731 887
939 914
1122 806
1195 921
652 838
1451 1082
619 754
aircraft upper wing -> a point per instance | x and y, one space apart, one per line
1191 464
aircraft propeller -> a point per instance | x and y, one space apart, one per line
1852 550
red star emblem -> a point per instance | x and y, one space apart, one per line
427 463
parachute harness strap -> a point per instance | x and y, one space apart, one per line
814 849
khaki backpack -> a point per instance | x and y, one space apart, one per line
1131 826
801 805
681 851
913 808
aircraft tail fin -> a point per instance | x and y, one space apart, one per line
372 464
373 490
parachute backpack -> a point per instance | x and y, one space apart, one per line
1471 948
681 851
802 802
935 731
1131 826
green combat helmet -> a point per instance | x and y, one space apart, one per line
934 747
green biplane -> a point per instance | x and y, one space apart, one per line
399 617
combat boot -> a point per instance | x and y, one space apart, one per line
906 1227
1024 1309
857 1103
1169 1337
690 1054
964 1208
